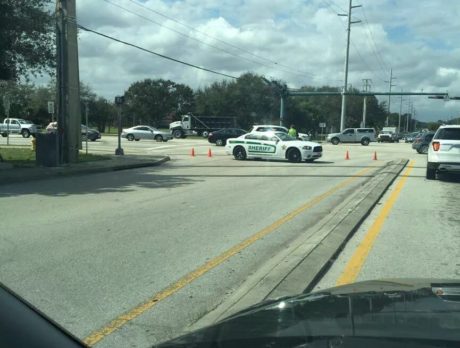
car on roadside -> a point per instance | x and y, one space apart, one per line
92 134
274 128
219 137
387 137
18 126
145 132
422 142
353 135
273 145
444 151
409 138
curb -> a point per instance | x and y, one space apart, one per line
49 173
298 268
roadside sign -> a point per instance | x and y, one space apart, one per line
119 100
322 125
51 107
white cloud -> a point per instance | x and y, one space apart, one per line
419 40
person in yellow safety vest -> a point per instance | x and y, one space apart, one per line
292 131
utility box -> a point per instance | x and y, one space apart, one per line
46 149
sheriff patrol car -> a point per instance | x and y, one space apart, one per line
276 145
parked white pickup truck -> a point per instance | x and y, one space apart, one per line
18 126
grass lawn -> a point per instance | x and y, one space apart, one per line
25 157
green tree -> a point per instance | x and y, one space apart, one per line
251 98
101 113
26 38
151 101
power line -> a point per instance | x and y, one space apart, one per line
215 38
374 49
200 41
154 53
329 5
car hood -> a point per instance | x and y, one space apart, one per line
389 309
301 143
330 135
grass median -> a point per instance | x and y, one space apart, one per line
25 157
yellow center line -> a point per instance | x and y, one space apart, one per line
356 262
120 321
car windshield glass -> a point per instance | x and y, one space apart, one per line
284 136
226 158
448 133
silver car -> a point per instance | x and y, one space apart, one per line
145 132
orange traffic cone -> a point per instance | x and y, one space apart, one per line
193 152
347 156
375 156
209 152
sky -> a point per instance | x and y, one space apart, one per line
301 42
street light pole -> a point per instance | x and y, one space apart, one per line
400 112
347 54
86 116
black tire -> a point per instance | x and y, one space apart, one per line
4 135
158 138
219 142
365 141
205 134
178 134
25 133
335 141
424 149
137 139
430 172
92 139
293 155
239 153
130 137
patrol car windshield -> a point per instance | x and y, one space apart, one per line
284 136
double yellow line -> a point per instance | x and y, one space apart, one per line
120 321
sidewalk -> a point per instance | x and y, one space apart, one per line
9 174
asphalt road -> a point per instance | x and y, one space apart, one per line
414 232
155 249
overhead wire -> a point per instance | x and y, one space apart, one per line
203 42
372 71
152 52
380 60
215 38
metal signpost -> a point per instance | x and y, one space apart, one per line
119 101
86 116
6 106
322 125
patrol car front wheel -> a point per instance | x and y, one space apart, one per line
239 153
293 155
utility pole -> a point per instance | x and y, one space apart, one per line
366 88
390 84
345 82
68 82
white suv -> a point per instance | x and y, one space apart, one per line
444 151
273 128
